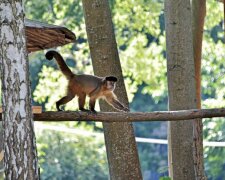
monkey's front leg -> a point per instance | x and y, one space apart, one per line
120 106
112 100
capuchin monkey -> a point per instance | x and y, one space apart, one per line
86 85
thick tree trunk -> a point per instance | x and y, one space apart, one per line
1 152
198 15
181 85
1 140
119 137
20 156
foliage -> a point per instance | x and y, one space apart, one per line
213 88
214 131
165 178
66 156
141 47
213 81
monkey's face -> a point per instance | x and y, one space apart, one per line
110 85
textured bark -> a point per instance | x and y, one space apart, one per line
1 151
198 15
20 156
181 85
119 137
130 117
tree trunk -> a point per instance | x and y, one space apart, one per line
198 15
1 152
119 137
181 86
20 156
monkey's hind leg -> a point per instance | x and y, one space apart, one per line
81 102
63 100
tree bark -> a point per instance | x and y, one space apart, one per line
198 15
1 152
119 137
20 156
181 85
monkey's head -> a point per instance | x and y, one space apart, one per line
110 82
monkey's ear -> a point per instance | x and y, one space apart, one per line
111 78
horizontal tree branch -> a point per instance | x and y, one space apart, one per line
129 117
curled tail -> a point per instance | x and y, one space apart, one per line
61 63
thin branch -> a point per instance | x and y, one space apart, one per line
130 117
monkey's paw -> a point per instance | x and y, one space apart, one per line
59 109
93 111
125 109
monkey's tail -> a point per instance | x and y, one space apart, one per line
61 63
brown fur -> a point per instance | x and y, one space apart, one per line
86 85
